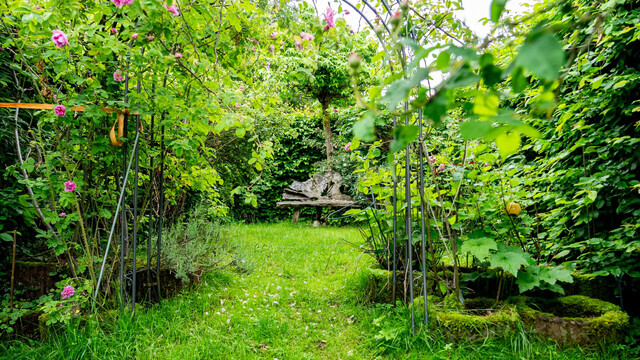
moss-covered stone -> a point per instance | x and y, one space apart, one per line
574 319
478 320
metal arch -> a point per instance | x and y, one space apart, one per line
420 181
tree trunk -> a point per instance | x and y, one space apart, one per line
326 125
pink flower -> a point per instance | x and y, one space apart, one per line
59 38
134 36
117 76
68 292
351 31
268 66
69 186
272 48
297 44
241 88
172 9
440 168
238 105
335 110
63 214
150 37
487 164
60 110
121 3
178 55
306 36
273 35
328 17
432 159
348 146
38 7
114 31
346 12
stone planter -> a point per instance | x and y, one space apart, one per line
574 320
478 320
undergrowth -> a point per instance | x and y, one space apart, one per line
296 293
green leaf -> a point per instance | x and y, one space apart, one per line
475 129
508 143
518 81
437 107
442 62
240 132
486 105
403 135
480 247
365 128
527 280
497 7
399 89
6 237
509 261
543 56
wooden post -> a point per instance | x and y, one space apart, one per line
296 214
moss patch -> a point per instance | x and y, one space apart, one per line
479 320
574 319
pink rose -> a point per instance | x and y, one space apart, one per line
297 44
328 17
60 110
69 186
178 55
432 159
120 3
134 36
335 110
348 146
238 105
63 214
273 35
68 292
306 36
172 9
150 37
117 76
38 7
59 38
272 48
346 12
114 31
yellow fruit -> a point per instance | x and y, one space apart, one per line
513 208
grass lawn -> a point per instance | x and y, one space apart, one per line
296 294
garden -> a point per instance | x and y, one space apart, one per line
445 179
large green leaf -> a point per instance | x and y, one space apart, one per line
479 247
508 143
528 280
543 56
509 261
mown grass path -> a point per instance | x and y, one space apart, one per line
295 292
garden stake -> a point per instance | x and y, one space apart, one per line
150 226
113 226
13 268
422 215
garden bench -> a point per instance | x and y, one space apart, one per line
311 193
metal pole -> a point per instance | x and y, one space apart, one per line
152 174
135 211
409 232
422 215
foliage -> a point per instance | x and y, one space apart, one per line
193 244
